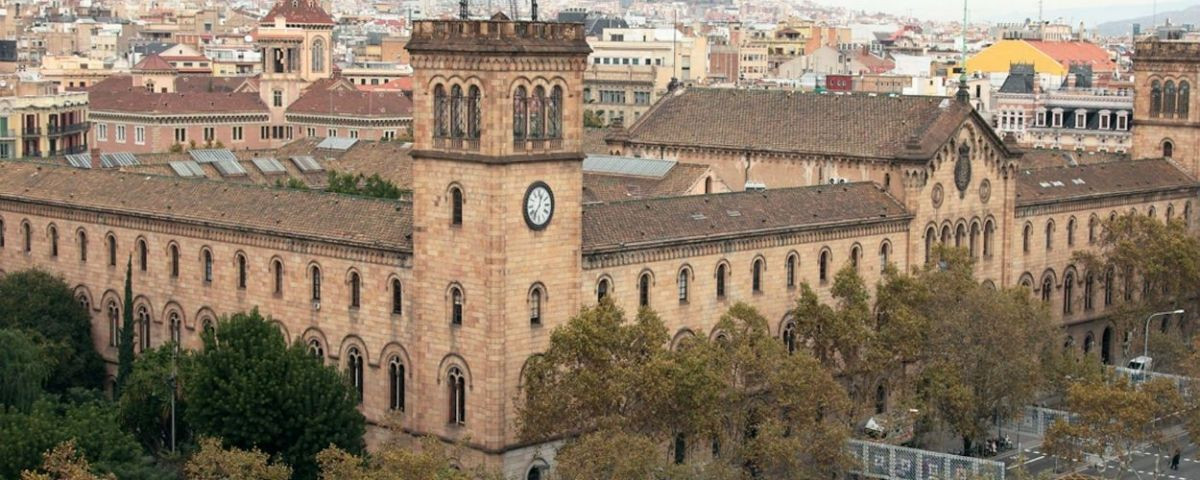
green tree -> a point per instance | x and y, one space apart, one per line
89 420
39 302
592 120
254 391
373 186
984 349
214 462
24 369
1113 419
125 347
433 460
144 407
768 413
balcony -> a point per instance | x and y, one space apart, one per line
31 131
68 129
75 149
6 134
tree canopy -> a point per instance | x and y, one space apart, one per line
249 388
24 368
39 302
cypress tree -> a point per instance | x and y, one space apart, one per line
125 351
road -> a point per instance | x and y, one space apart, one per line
1143 467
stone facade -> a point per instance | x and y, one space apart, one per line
1161 131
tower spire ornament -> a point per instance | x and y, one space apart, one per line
963 95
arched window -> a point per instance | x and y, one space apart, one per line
602 288
1049 234
884 252
456 206
1 233
241 267
1187 214
989 233
27 236
114 323
1169 99
1155 98
756 275
355 290
823 266
84 302
1182 107
1168 149
458 117
682 282
1151 212
457 384
537 113
1071 232
520 115
535 305
930 235
143 325
973 243
316 349
1089 282
354 369
173 252
318 56
855 253
208 265
1089 341
174 324
680 448
960 235
474 116
554 113
456 305
945 235
1026 235
1068 292
721 280
1047 287
791 271
208 325
707 184
644 290
277 272
143 255
397 297
396 384
789 336
53 241
82 244
315 273
880 399
441 114
112 250
1092 224
1170 212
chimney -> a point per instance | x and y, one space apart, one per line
95 157
1070 79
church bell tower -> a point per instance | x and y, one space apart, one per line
497 227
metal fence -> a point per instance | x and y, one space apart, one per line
879 460
1034 421
1186 385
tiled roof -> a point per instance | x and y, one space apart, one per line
609 188
635 223
778 120
153 61
280 212
1045 157
298 11
118 94
1055 184
326 99
1067 53
207 83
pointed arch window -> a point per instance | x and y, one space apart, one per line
1025 237
143 255
989 234
458 117
1068 293
474 115
112 250
554 113
82 245
823 267
1047 287
535 305
318 56
441 120
27 236
277 273
143 325
791 271
1168 149
1092 224
644 290
1169 98
354 369
756 276
174 324
537 113
884 253
242 274
397 297
789 336
721 273
355 290
1185 92
1089 284
456 206
520 107
930 237
855 253
456 306
396 384
208 265
973 242
114 323
1071 232
173 252
1155 98
1049 235
316 349
315 273
53 241
457 384
602 288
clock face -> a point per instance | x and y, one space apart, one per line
539 205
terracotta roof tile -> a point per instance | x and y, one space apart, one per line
634 223
1077 52
153 61
1055 184
778 120
118 94
299 214
609 188
327 98
298 11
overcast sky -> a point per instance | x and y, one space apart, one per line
1090 11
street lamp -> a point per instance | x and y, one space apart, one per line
1146 332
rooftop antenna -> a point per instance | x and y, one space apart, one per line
1041 21
463 11
962 95
533 10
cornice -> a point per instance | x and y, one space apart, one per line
1101 201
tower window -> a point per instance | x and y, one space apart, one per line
53 241
791 271
315 272
456 206
440 113
277 98
112 250
756 276
143 253
277 272
458 396
318 56
396 384
721 273
354 369
456 306
520 105
355 290
823 266
602 289
683 285
644 290
397 297
208 266
82 243
535 305
241 266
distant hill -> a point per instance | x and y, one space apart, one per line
1178 17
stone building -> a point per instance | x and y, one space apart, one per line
1077 115
432 305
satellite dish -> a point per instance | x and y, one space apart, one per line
249 39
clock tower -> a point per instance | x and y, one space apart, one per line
497 227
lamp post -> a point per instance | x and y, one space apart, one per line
1146 331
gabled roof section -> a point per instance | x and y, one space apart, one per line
647 223
118 94
881 127
298 11
1062 183
338 98
153 62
